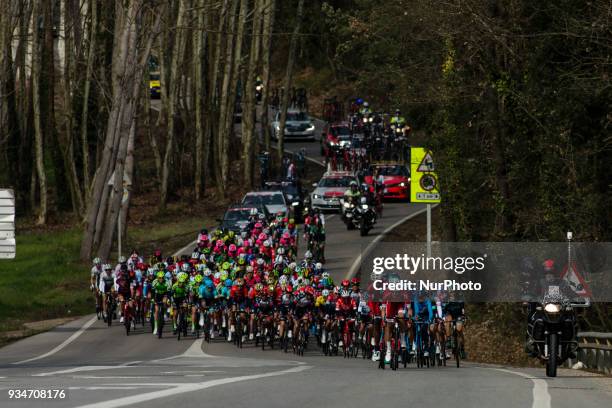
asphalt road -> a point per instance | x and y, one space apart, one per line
99 366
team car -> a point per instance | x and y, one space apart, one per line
274 201
329 190
395 179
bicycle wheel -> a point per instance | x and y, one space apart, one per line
160 321
457 349
179 326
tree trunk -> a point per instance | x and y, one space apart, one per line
214 98
152 137
91 53
249 102
268 28
222 135
289 81
172 95
66 140
128 69
199 41
38 127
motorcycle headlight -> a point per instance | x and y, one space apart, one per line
552 308
258 88
364 206
402 184
347 205
290 196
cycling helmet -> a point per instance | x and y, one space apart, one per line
228 282
365 104
308 255
232 248
286 271
266 243
355 281
353 183
345 293
97 261
195 255
289 289
282 280
182 277
198 278
107 267
258 287
549 266
223 275
185 267
318 266
207 272
345 283
122 259
226 265
160 275
325 293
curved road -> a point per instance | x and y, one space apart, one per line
101 367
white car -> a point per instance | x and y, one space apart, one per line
273 200
298 125
330 189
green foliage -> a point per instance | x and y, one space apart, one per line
515 98
45 280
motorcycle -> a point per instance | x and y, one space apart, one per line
358 215
552 329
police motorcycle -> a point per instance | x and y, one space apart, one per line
358 214
552 327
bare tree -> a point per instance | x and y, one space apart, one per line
129 63
38 126
289 80
249 102
177 52
198 43
266 47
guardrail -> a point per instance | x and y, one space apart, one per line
595 351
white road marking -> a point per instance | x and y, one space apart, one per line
194 351
63 344
351 272
190 371
86 368
112 387
541 396
110 377
186 247
183 388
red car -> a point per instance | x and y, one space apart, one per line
395 180
336 135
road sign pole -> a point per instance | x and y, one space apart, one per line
428 230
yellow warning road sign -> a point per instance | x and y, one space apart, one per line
423 179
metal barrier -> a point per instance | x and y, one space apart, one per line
595 351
